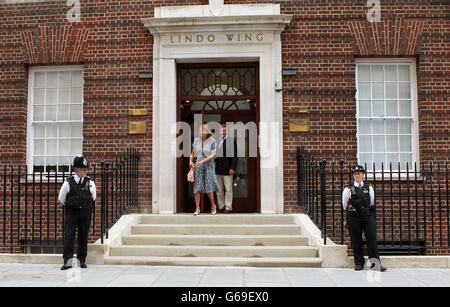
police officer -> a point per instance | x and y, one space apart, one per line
359 201
77 195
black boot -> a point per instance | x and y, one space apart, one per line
359 267
66 266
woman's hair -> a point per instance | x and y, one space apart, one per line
206 129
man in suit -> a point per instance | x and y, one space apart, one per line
226 165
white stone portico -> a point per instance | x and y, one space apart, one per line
216 33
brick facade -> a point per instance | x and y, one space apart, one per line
322 43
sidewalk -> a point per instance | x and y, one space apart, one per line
29 275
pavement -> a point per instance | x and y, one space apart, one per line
48 275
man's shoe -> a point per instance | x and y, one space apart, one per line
222 210
359 267
65 267
228 211
383 269
83 265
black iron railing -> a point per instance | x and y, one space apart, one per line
412 203
31 218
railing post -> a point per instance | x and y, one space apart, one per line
323 198
102 203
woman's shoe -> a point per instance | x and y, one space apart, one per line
213 212
196 213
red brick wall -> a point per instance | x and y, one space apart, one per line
322 43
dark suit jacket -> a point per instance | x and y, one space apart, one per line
223 162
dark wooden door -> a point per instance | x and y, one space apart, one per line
232 108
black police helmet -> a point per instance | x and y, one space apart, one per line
358 168
80 162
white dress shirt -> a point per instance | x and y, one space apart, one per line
65 189
347 194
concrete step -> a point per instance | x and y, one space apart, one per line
215 229
218 219
216 240
214 251
214 261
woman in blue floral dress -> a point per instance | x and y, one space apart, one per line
204 150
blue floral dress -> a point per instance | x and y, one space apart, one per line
205 175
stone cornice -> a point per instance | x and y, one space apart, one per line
227 23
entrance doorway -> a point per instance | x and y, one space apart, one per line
223 93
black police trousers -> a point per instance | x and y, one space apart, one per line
356 225
73 219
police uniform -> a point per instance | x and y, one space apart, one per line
359 201
77 195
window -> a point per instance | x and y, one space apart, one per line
387 113
55 117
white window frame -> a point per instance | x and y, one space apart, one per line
31 80
414 111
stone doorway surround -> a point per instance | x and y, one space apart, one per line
193 34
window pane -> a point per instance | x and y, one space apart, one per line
52 130
406 158
39 147
391 108
50 113
378 159
404 91
51 97
39 131
405 126
76 95
77 79
75 112
75 147
391 90
405 144
364 108
38 113
392 143
364 90
403 73
39 79
63 111
39 97
379 143
65 160
364 72
364 126
378 126
77 130
392 158
64 130
39 160
377 73
51 161
64 147
52 79
366 159
365 144
391 72
52 147
64 79
405 108
378 90
391 126
64 95
378 108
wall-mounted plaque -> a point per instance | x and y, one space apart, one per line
298 110
137 127
298 125
138 112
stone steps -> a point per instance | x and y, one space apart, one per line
229 219
214 251
216 240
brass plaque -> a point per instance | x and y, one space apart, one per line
137 112
137 127
296 110
298 125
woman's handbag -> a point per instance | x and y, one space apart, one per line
190 175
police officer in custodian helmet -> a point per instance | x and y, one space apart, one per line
77 194
358 200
